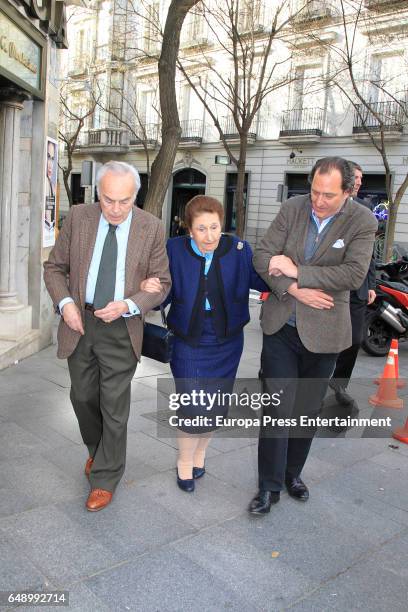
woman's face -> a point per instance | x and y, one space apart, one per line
206 231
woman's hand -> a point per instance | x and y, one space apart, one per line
151 285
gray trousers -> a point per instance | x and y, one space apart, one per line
101 369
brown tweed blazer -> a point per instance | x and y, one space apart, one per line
66 271
339 265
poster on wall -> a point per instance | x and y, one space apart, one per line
51 172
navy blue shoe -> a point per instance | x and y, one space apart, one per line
186 485
198 472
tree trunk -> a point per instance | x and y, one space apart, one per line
65 176
239 193
390 230
162 167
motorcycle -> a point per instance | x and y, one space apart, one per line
387 316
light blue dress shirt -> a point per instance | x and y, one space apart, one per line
321 224
208 259
122 235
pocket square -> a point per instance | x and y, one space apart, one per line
339 244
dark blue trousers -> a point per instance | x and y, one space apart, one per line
288 368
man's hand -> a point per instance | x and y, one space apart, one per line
316 298
280 264
151 285
72 317
371 296
112 311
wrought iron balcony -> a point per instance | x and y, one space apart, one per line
231 133
191 133
384 4
382 117
301 125
106 140
146 136
78 66
311 12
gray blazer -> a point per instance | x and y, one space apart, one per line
335 269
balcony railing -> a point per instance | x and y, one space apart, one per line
382 4
192 130
315 11
148 135
231 133
302 122
107 139
382 116
78 66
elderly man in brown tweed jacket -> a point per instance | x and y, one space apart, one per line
107 270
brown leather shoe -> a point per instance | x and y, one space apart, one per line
98 499
88 466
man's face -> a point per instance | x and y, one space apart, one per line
117 193
358 179
50 159
327 194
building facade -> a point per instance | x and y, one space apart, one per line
111 67
31 32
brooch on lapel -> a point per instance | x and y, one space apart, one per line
240 246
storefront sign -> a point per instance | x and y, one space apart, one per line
19 54
301 161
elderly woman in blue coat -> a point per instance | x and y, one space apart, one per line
212 274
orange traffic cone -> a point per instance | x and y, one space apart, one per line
401 433
394 350
387 391
264 296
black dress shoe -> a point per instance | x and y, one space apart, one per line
342 397
198 472
297 488
186 484
262 502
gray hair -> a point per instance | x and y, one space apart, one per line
120 168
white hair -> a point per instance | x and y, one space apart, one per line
117 167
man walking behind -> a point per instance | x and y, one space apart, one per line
359 299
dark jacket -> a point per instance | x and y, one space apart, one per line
369 281
230 277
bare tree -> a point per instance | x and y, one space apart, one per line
73 123
162 166
378 100
153 44
254 67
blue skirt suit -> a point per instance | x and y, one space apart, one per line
209 308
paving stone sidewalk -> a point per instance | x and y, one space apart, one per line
156 548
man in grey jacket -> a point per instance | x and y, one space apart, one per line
359 299
317 249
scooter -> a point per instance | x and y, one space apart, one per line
387 317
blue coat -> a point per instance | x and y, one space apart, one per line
227 286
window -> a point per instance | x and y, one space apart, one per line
385 79
151 28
